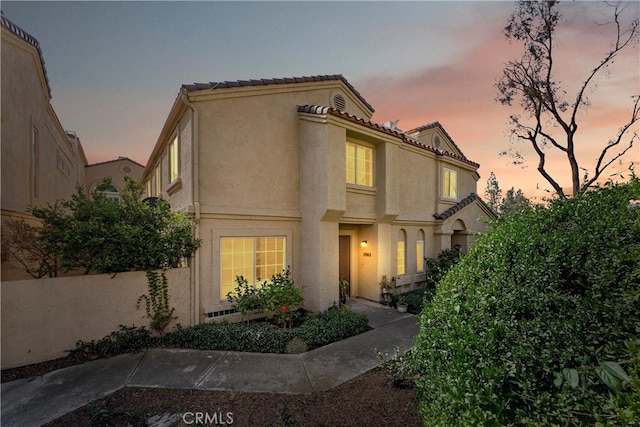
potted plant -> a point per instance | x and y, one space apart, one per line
386 285
402 305
344 290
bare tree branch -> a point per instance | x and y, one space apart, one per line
530 81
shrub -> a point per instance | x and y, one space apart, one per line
538 323
330 326
416 299
258 337
400 367
100 235
279 298
438 267
129 339
315 331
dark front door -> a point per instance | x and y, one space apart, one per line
344 265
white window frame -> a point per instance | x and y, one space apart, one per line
157 178
174 159
401 253
354 180
254 281
446 189
420 256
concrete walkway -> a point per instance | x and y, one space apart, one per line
38 400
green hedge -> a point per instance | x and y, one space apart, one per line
317 329
539 323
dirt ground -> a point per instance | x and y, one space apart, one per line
368 400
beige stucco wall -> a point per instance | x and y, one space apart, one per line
260 168
25 106
43 318
115 169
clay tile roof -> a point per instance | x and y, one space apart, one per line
6 23
437 125
407 139
461 204
284 80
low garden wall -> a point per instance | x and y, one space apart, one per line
43 318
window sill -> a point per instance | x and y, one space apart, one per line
360 189
174 186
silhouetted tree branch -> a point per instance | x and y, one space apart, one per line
531 82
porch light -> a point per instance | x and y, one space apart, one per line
363 243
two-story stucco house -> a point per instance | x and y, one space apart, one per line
293 173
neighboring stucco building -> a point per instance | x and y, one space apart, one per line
292 172
41 162
115 169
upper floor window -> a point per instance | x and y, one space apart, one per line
174 160
158 180
450 183
359 164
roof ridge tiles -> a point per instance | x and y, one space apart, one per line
462 204
407 139
283 80
437 124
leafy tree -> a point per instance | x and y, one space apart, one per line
532 82
21 242
493 193
100 235
513 202
538 323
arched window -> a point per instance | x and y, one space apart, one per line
420 252
401 253
111 192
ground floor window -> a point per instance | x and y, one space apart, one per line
420 256
255 258
401 253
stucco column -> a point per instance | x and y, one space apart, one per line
323 202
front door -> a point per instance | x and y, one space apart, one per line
344 262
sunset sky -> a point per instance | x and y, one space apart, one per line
115 68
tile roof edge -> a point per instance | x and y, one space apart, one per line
433 125
407 139
472 197
18 31
283 80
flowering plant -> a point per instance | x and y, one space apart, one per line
279 298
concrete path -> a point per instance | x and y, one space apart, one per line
38 400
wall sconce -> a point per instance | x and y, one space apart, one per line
363 243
